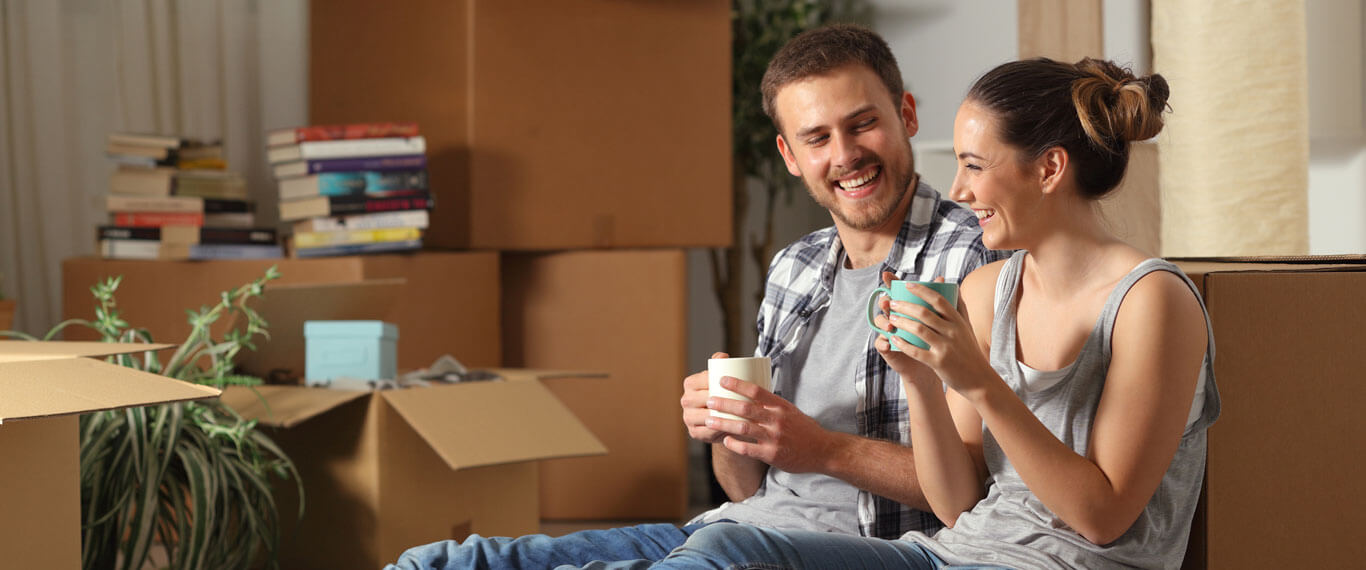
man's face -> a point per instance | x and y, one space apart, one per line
846 137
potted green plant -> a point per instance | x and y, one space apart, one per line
192 479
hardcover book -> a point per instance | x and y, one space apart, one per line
378 220
196 234
351 183
156 219
190 204
341 237
138 181
340 132
347 148
359 248
305 167
319 206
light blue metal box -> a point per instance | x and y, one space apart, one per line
363 350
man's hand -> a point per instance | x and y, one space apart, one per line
776 432
694 403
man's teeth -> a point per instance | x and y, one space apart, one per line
860 181
982 214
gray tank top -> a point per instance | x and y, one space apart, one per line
1011 527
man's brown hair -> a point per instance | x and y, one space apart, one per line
825 49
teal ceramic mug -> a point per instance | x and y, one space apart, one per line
898 292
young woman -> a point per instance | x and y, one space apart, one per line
1059 420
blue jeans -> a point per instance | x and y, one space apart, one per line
628 547
733 546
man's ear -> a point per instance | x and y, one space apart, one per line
788 157
908 117
1052 167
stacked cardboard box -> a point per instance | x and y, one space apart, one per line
539 138
1282 483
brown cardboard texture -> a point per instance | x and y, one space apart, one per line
286 307
500 172
43 385
387 470
575 310
1289 365
448 303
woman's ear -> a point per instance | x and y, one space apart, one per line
1052 167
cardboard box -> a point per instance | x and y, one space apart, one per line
43 386
445 303
623 312
538 124
385 471
1283 480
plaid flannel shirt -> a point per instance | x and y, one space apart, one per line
938 238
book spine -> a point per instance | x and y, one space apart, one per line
319 239
371 181
235 251
359 248
130 232
157 219
339 205
260 236
377 163
221 206
379 220
116 203
362 147
354 131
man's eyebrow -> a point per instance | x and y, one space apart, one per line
815 129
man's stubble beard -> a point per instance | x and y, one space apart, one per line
881 212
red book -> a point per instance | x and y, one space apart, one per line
340 132
156 219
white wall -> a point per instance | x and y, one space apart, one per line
1337 141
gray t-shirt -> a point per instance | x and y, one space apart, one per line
825 364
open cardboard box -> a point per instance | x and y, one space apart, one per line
43 387
1285 457
387 470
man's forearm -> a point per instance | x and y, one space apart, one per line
738 475
880 467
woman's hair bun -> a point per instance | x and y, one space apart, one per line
1116 108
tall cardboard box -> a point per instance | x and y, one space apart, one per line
623 312
1283 484
43 386
385 471
549 124
447 303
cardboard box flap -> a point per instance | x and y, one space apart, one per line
22 350
1202 265
489 423
286 406
42 388
524 374
286 307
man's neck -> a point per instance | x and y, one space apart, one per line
864 248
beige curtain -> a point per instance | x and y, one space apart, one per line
1235 152
75 70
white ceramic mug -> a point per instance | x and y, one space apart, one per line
756 369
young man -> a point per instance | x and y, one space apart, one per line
828 450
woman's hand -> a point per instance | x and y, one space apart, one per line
953 353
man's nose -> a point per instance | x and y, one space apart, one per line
848 153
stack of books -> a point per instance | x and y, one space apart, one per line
174 198
351 189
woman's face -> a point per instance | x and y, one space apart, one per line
1002 190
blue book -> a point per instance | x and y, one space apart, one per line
359 248
235 251
352 183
